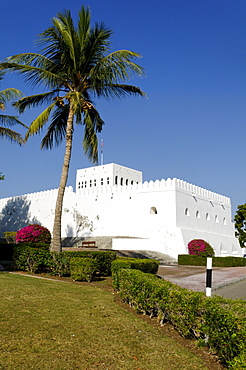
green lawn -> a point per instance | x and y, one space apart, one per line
57 325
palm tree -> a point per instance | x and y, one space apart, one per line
74 65
6 121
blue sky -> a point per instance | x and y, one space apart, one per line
193 124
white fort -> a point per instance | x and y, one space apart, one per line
112 203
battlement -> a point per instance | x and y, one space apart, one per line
155 186
37 195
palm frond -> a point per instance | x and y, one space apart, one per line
117 90
117 67
34 75
84 27
56 131
37 125
34 100
9 94
6 121
90 142
11 135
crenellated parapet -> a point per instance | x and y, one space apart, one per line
154 186
37 195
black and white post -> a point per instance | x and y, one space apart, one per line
209 277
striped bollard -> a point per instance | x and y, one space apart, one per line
209 277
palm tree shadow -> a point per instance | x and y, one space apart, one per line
16 214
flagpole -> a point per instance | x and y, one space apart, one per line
102 145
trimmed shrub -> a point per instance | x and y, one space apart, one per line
34 234
103 258
59 264
83 268
229 261
31 259
145 265
10 236
199 247
216 321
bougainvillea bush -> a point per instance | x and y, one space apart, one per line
34 234
199 247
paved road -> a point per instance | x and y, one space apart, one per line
229 282
233 291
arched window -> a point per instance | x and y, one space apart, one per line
197 214
207 217
126 181
153 211
116 180
224 221
216 219
187 212
121 181
132 182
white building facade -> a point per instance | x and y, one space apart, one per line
112 201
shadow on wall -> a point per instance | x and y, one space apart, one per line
15 215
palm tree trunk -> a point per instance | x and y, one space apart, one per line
56 236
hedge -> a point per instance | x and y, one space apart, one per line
145 265
104 259
40 260
229 261
216 321
83 269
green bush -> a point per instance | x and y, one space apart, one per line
103 258
31 259
145 265
186 259
217 321
59 265
10 237
83 268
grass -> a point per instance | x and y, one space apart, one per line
57 325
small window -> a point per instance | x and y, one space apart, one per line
187 212
90 183
126 181
85 184
224 221
116 180
153 211
101 181
132 182
79 185
216 219
95 182
207 217
107 180
197 214
82 184
121 181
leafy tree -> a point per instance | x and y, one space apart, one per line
74 65
240 224
7 121
1 176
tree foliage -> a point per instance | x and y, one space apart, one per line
240 224
75 66
7 121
